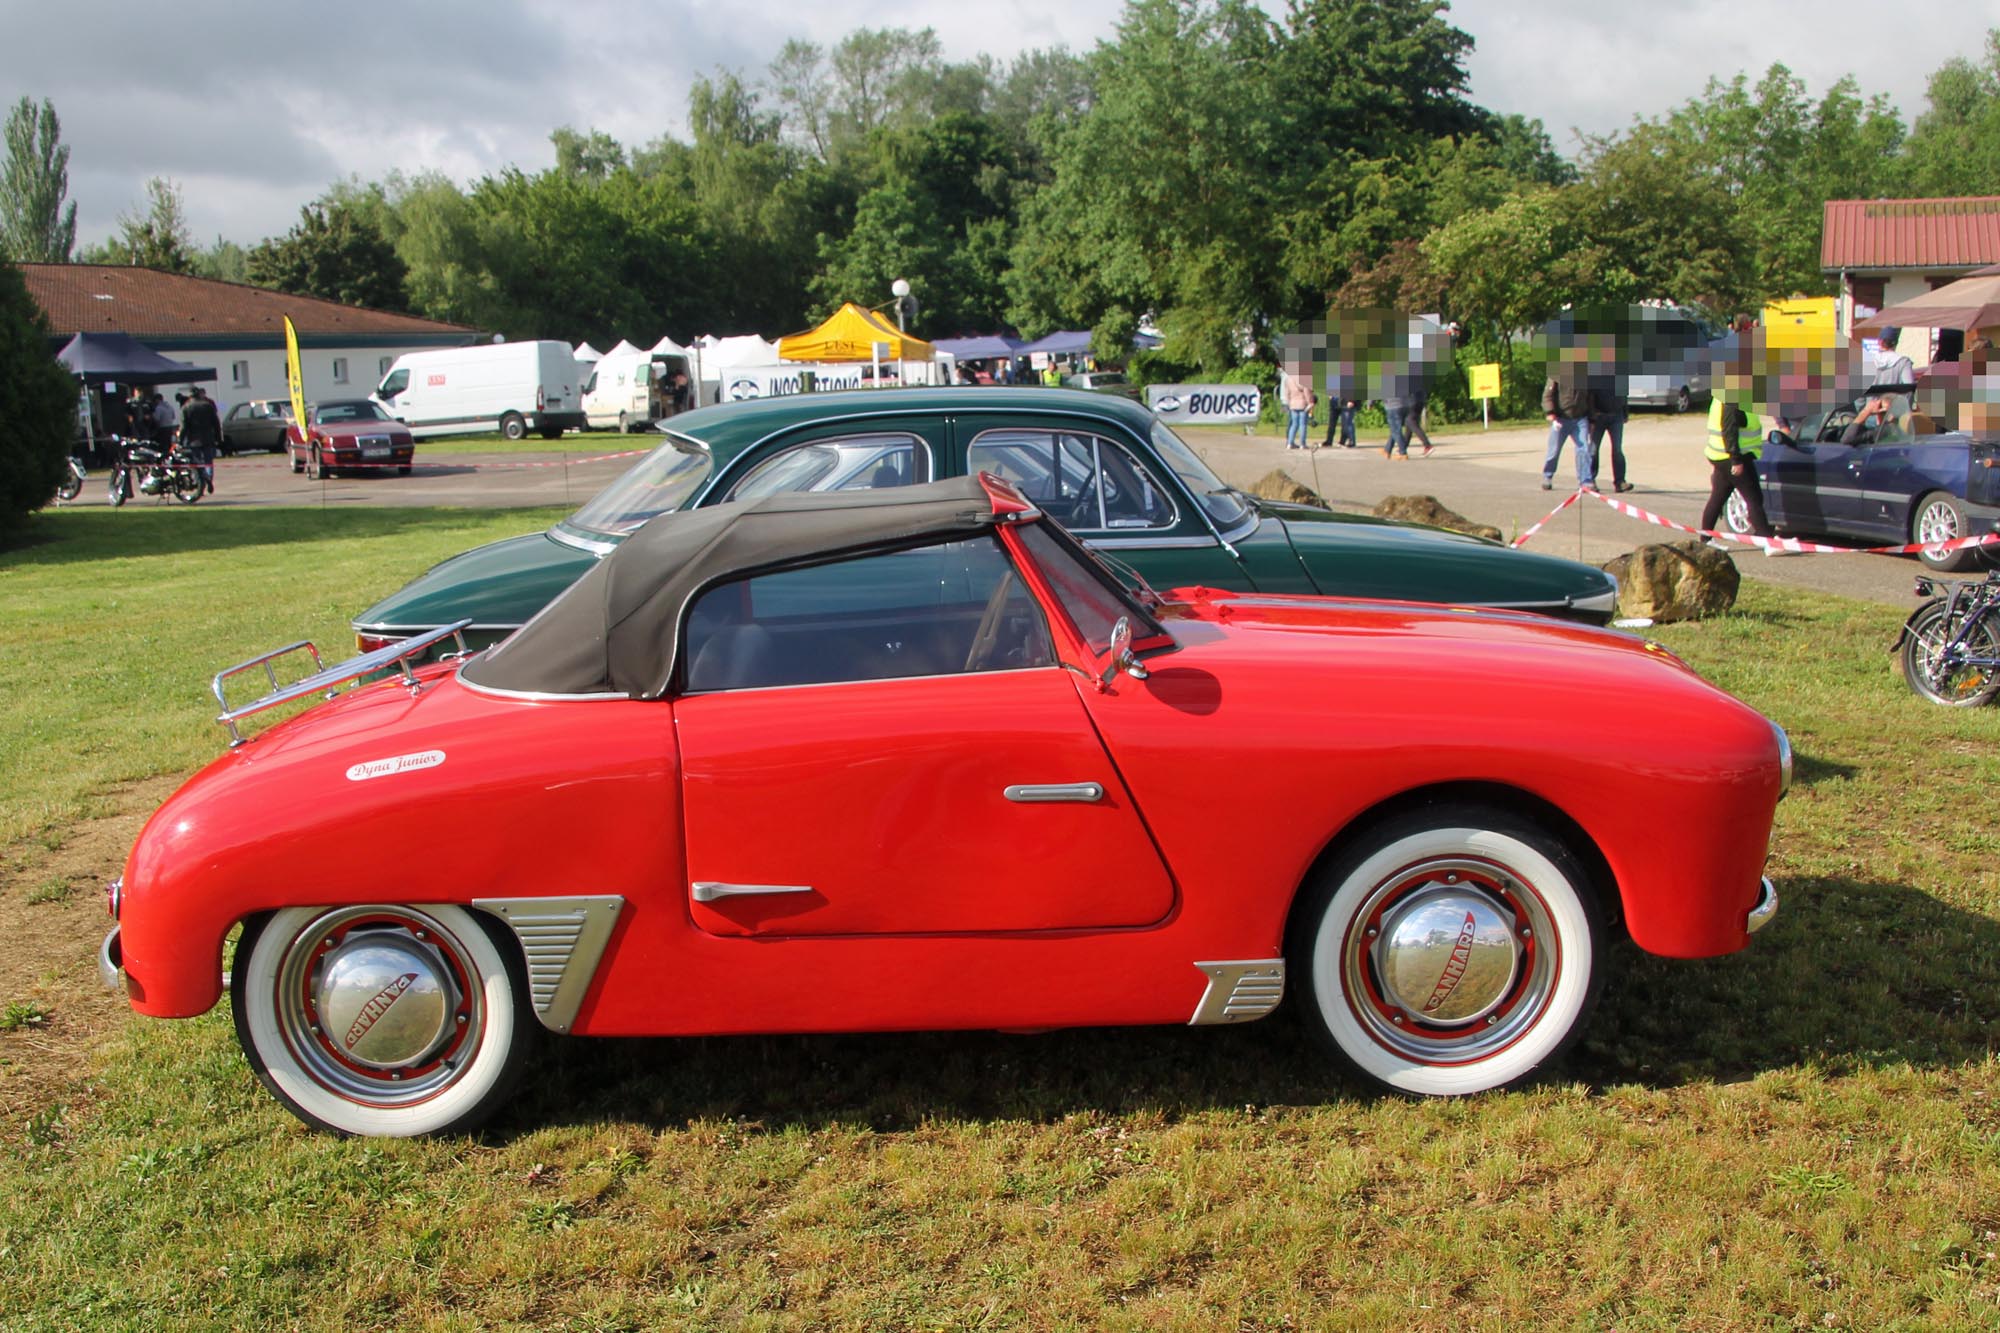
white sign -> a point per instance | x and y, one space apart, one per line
744 382
1205 404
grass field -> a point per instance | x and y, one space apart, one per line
1805 1135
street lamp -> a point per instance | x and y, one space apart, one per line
900 289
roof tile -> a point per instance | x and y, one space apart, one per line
1910 233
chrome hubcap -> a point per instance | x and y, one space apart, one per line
379 1004
385 998
1446 955
1450 960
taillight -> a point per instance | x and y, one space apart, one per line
368 643
540 394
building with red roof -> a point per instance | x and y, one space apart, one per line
1888 250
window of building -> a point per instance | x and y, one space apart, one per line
936 610
340 370
382 366
239 374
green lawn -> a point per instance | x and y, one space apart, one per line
1806 1135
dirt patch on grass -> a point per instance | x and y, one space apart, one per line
53 1011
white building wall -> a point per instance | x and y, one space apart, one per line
245 373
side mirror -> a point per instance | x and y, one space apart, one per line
1122 658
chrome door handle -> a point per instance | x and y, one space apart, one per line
708 890
1032 793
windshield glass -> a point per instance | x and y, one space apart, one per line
360 410
659 483
1224 507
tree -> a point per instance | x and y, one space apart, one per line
1508 269
334 253
36 226
594 155
38 401
157 238
1954 148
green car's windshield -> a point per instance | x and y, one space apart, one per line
1225 507
659 483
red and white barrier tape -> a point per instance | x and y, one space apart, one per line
1631 510
233 463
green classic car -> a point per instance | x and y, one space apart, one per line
1106 468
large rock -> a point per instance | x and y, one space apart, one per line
1278 484
1425 509
1678 581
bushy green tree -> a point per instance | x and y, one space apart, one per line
335 252
156 237
1954 148
38 401
36 224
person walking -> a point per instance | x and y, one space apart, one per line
1566 403
1396 406
1608 410
201 434
1733 449
1420 398
1340 420
1297 392
166 420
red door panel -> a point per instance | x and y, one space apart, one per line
881 807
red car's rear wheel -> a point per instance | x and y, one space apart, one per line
1452 951
381 1020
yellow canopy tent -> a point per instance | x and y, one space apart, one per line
850 334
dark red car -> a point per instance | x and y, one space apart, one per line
350 435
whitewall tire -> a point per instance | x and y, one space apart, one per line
381 1020
1453 950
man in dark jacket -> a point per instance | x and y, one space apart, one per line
1566 402
201 434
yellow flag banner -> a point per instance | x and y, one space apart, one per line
294 377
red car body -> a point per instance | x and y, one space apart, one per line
350 435
1271 737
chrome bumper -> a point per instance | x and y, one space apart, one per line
1766 908
108 961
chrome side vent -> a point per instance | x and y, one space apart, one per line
1239 991
563 940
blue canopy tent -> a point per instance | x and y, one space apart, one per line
121 358
1074 342
982 347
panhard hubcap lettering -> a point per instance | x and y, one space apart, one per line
1450 960
379 1004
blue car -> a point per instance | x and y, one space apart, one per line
1886 487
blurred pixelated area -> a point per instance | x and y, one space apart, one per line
1368 355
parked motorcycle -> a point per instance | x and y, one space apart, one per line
1950 646
72 481
154 471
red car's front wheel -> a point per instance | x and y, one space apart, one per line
1451 951
381 1020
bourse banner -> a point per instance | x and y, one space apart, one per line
1206 404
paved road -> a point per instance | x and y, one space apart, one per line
1492 476
1495 477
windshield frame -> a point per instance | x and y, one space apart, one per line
1193 472
575 531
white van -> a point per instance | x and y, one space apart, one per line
513 388
634 390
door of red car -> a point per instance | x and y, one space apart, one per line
886 745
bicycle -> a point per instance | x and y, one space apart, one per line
1950 646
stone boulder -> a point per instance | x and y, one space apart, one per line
1278 484
1678 581
1425 509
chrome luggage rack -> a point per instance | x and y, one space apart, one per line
326 677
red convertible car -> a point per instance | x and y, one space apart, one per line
915 759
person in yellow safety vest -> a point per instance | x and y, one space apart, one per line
1733 447
1051 377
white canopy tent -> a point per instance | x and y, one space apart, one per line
586 353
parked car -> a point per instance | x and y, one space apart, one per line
1108 469
1103 381
1887 488
1673 373
350 435
893 759
261 423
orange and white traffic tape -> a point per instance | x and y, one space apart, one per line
420 466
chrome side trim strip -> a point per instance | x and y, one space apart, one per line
708 890
1766 908
1031 793
563 941
1239 991
1148 543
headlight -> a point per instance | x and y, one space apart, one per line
1784 760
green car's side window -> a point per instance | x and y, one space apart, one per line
1089 483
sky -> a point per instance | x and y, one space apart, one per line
255 108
